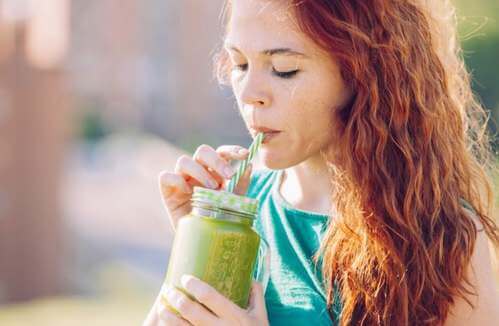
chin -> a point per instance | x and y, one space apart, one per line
270 161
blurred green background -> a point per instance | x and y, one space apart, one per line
96 98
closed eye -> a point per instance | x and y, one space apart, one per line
281 74
285 74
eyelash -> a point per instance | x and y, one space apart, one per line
287 74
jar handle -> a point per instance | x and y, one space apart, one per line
261 272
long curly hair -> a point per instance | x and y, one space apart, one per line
415 153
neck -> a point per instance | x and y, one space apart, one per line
306 186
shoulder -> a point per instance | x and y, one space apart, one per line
481 276
472 214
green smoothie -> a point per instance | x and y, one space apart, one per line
217 244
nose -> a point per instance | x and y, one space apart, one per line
254 90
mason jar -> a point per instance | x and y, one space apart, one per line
216 243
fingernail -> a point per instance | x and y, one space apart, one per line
172 296
188 282
229 171
243 151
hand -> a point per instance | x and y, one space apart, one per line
223 311
208 168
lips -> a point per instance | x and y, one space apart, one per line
268 133
262 129
256 129
268 136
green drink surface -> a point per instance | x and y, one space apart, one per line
219 252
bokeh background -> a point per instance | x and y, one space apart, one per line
96 98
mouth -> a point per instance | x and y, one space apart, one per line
268 136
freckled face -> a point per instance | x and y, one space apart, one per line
283 81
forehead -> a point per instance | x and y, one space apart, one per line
259 24
264 10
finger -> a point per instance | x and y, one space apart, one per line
232 152
211 298
166 317
176 194
257 300
172 182
190 168
152 317
190 309
243 183
211 160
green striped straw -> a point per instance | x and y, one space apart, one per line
255 145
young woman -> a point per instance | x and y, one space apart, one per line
374 197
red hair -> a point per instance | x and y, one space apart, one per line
414 152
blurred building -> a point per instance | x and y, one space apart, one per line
148 65
141 65
33 132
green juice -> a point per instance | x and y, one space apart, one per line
217 244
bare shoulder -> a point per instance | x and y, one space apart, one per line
480 273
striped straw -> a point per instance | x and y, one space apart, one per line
255 145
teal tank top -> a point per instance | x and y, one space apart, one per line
295 294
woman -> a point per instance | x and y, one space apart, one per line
376 164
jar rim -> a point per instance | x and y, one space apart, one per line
221 199
222 214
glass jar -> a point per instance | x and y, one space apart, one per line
216 243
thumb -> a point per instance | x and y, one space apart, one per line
257 300
243 183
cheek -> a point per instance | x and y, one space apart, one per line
293 91
309 123
310 92
315 117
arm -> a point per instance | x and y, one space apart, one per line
486 310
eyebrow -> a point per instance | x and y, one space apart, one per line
270 52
